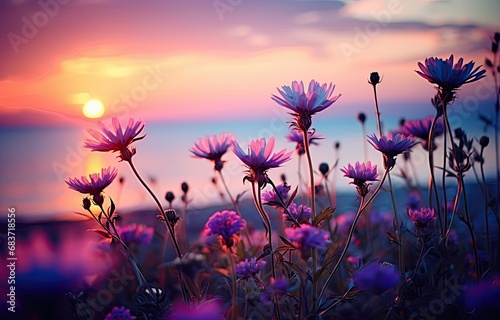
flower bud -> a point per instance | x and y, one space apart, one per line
484 141
172 216
488 62
497 37
169 197
374 78
337 145
121 180
98 200
86 203
402 122
283 178
324 168
362 117
184 187
494 47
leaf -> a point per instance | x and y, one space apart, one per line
100 232
111 208
83 215
284 248
392 238
238 197
325 214
285 241
330 253
292 197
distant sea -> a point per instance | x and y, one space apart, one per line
36 161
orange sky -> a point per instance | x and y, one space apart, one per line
204 60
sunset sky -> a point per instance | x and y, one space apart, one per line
206 60
206 67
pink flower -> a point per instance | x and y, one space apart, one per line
421 128
391 145
449 76
98 182
117 140
260 158
423 217
212 149
305 104
361 173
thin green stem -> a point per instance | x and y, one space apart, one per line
362 207
398 227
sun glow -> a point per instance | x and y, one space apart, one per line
93 109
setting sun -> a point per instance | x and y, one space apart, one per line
93 109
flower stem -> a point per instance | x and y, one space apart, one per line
471 229
377 112
485 187
432 178
362 207
307 150
398 227
234 293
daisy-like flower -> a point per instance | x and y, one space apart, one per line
361 173
248 268
308 237
260 158
297 137
421 128
116 140
390 146
213 149
305 104
421 218
448 76
271 197
120 313
225 224
300 212
136 233
94 186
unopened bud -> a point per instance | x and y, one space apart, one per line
324 168
494 47
337 145
98 200
374 78
362 117
283 178
402 122
488 62
184 187
497 37
86 203
484 141
172 216
169 197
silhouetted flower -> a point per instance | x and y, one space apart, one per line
421 128
120 313
297 137
377 278
117 140
98 182
361 173
422 218
308 237
449 76
213 149
225 224
300 212
260 159
305 104
248 268
136 233
272 198
390 146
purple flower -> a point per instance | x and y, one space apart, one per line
361 173
300 212
449 76
117 140
297 137
422 218
260 159
119 314
136 233
213 149
377 278
271 196
483 297
308 237
248 268
98 182
225 224
305 104
208 310
277 287
421 129
390 146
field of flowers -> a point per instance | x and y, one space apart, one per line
439 259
